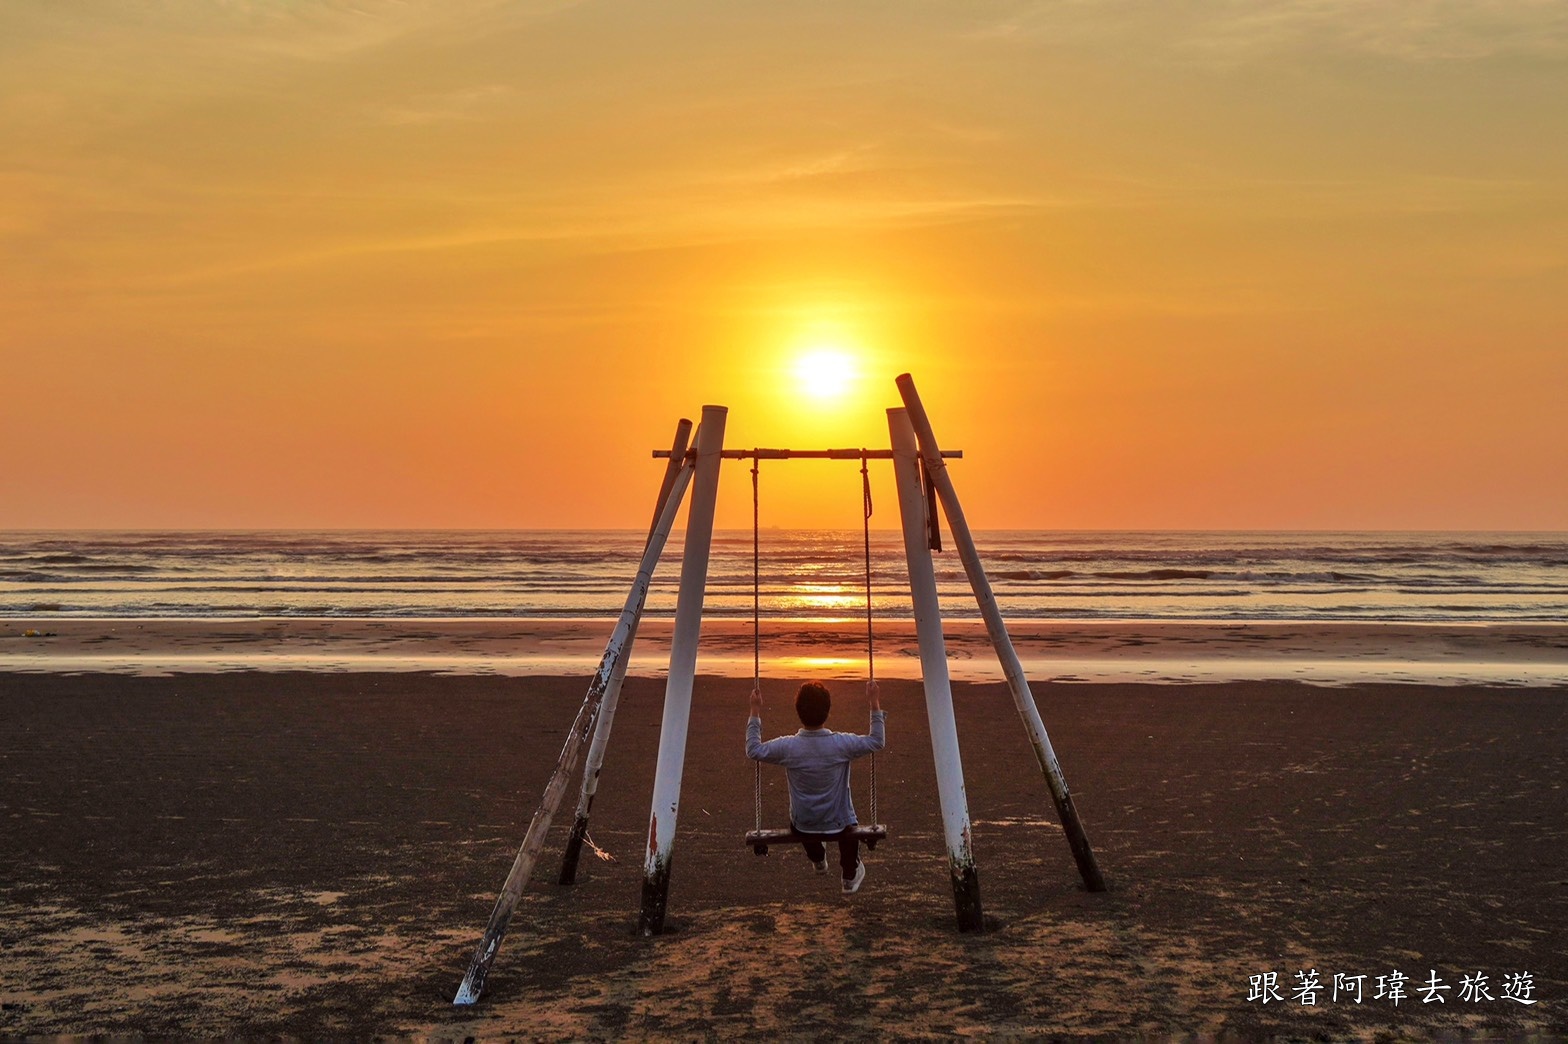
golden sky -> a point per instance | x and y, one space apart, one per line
1294 264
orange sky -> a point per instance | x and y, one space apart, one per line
1298 264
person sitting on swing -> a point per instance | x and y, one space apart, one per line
816 760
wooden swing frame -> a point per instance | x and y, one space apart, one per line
920 472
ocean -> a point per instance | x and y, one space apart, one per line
1444 577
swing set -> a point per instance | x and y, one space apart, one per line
922 480
758 838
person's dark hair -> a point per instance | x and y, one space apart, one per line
812 703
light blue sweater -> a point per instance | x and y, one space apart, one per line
817 762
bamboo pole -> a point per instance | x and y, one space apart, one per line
612 694
683 668
533 842
1023 699
934 676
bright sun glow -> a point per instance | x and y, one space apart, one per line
825 373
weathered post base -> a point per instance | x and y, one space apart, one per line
966 899
574 849
655 901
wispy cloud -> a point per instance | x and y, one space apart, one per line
317 29
465 104
1238 30
1409 30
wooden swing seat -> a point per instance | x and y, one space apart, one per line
759 840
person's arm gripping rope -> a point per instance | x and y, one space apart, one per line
771 751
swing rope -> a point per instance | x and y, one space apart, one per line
756 617
756 614
871 663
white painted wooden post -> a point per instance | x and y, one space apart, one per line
566 765
612 695
934 676
683 669
1023 699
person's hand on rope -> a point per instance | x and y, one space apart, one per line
872 695
756 703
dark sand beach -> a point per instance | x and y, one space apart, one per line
315 854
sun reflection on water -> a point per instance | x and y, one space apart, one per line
810 597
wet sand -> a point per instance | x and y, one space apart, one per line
1122 651
315 854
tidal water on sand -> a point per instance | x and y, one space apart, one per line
805 575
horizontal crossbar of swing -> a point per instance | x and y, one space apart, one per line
862 832
787 454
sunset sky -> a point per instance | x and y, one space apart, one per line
1300 264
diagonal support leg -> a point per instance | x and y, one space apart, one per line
936 471
683 668
566 765
934 677
612 694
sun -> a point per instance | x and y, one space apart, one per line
825 373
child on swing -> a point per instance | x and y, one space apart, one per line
816 760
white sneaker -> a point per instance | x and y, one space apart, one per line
852 884
821 865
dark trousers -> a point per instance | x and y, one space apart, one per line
848 848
